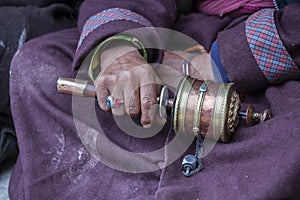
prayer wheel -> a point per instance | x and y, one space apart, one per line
206 108
203 108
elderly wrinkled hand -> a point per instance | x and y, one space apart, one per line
177 64
128 81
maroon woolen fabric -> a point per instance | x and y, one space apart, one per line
261 162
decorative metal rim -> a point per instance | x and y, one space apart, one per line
225 112
181 102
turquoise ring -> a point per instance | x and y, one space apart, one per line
113 103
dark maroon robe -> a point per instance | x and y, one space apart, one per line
21 21
261 162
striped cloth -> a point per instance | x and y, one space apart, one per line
110 15
267 48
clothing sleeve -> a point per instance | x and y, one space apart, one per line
263 50
99 20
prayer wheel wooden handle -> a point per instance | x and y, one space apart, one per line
76 87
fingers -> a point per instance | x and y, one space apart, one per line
148 100
138 97
109 97
118 99
131 80
102 93
132 99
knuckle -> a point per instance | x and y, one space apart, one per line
147 102
147 70
109 79
126 75
100 81
133 110
105 82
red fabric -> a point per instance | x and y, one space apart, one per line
221 7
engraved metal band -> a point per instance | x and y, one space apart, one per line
181 102
198 109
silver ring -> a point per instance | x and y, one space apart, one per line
185 68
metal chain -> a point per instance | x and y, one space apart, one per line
194 164
198 153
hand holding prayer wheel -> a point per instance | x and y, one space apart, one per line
126 83
198 107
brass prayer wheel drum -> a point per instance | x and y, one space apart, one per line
206 108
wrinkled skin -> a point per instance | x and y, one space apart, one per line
126 75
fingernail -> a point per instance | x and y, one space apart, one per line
147 125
